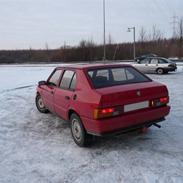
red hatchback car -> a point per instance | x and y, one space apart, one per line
102 99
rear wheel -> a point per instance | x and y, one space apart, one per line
40 105
160 71
79 134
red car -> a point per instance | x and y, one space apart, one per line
102 99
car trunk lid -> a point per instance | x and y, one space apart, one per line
131 96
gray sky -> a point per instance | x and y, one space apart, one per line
32 23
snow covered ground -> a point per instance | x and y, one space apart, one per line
38 147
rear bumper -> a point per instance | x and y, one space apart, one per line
128 129
125 122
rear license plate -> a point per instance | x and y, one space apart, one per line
136 106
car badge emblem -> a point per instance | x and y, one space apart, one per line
138 93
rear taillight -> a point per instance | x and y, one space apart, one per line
107 112
160 102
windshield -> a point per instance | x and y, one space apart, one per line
116 76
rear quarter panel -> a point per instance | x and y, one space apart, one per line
87 98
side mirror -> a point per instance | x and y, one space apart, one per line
42 83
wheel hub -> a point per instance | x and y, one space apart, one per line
76 129
40 102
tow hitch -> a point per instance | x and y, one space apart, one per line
158 126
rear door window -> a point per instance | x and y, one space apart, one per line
116 76
154 61
145 61
66 79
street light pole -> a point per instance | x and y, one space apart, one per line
134 41
104 56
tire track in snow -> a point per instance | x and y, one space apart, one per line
17 88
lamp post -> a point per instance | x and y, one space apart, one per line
104 56
134 42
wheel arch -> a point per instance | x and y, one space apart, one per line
70 112
38 93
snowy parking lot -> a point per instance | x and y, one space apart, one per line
37 147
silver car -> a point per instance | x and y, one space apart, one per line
157 65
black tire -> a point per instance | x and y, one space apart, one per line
40 105
160 71
79 134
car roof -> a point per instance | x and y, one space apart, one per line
92 66
156 57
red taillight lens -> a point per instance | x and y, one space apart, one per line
107 112
164 100
160 102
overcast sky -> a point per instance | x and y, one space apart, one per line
32 23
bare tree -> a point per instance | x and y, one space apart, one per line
156 33
82 44
46 46
110 39
180 37
142 35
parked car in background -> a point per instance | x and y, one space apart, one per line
101 99
145 56
157 65
176 59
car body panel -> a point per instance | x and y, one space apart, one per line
100 127
84 99
152 64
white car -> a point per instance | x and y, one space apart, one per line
157 65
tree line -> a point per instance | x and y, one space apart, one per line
88 50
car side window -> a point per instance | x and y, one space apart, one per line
161 61
55 78
66 79
154 61
145 61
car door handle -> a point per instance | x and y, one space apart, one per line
67 97
75 97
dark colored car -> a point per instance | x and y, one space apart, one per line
102 99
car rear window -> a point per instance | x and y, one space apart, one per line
116 76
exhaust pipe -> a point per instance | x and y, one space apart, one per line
156 125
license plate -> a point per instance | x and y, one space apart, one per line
136 106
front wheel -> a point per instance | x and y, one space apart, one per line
160 71
40 105
79 134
